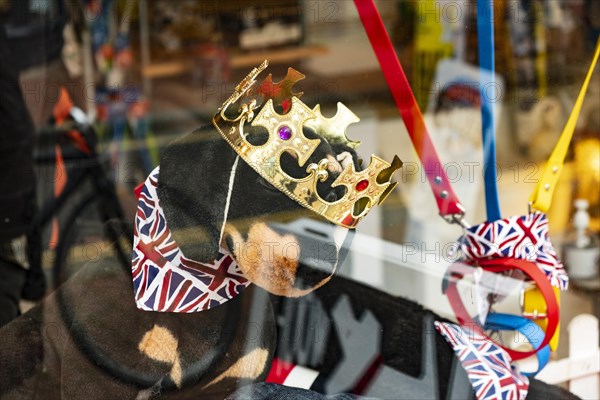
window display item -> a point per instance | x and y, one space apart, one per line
457 272
508 322
432 43
212 219
587 170
203 202
359 340
488 95
447 201
167 280
363 189
534 306
397 83
582 250
482 360
163 278
405 101
264 25
541 197
524 237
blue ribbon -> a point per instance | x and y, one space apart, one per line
487 81
529 329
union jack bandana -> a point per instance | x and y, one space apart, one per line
523 237
487 364
163 278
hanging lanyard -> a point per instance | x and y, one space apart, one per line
487 81
541 198
447 201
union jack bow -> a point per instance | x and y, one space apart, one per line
487 364
163 278
524 237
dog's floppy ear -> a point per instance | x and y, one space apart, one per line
192 190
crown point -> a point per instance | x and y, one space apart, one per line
334 129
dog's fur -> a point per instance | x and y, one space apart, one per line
88 339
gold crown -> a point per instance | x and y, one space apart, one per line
364 189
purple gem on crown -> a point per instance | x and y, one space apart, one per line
284 132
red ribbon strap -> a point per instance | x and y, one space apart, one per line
447 201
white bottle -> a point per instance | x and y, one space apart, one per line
581 253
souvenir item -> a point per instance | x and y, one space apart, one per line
524 237
163 278
207 225
364 189
405 102
487 363
121 109
457 272
488 95
432 43
167 280
587 170
581 250
447 201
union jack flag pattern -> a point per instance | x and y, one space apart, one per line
487 364
163 278
523 237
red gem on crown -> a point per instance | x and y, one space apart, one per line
362 185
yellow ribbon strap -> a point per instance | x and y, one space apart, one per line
541 198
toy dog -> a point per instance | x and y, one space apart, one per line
94 337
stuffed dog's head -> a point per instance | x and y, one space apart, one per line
218 181
211 199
